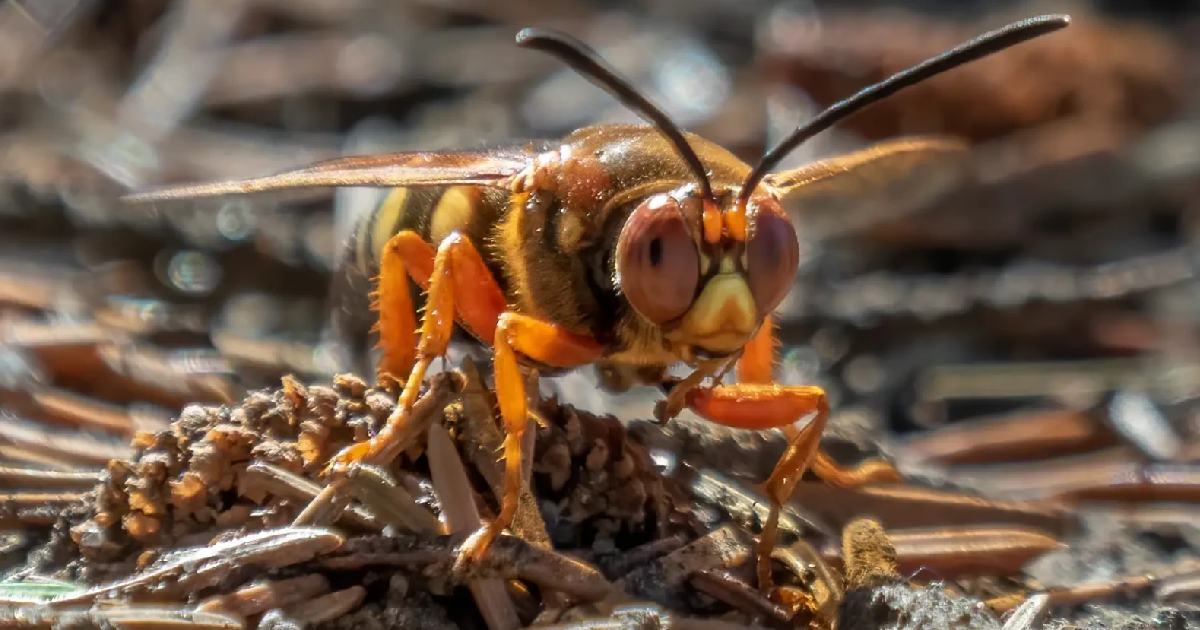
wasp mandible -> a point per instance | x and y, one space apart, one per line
639 247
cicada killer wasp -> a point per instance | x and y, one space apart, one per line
636 247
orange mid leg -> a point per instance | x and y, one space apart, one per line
755 403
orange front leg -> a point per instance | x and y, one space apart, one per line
758 356
753 406
757 404
545 343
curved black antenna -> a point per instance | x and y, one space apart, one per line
982 46
588 63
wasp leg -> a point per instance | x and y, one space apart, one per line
406 254
459 283
462 288
755 366
757 406
547 344
762 405
478 300
869 471
758 356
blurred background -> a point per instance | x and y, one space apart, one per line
1045 289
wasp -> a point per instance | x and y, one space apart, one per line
634 247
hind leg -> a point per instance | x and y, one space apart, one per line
405 255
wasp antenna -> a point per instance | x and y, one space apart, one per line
981 46
588 63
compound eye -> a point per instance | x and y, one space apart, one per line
772 257
657 261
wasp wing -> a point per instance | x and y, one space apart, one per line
880 182
489 168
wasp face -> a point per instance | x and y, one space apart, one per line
708 296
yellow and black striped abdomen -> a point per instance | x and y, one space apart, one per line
432 212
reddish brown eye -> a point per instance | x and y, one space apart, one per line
772 257
657 261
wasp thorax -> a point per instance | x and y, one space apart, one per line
658 266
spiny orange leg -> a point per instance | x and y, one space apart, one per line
462 288
758 356
405 254
756 366
755 403
868 471
459 283
545 343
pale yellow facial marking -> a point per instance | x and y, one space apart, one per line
453 211
723 316
389 215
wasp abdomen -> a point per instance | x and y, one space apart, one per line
432 212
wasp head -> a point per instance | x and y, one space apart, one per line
707 266
706 287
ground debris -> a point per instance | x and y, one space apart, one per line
1099 617
867 554
180 573
224 483
122 616
1014 328
900 606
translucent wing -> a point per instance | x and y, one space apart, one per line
882 163
881 182
385 170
